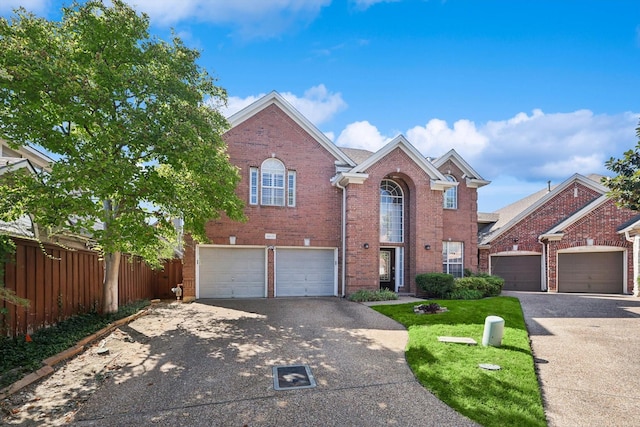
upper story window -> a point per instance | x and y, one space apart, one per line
451 195
391 212
269 182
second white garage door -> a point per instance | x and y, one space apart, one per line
306 272
231 272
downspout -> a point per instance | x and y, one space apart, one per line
343 236
543 267
635 259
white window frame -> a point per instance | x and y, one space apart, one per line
447 259
392 234
291 188
451 195
272 183
253 186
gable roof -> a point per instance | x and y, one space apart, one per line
10 164
37 158
401 142
512 214
274 98
473 178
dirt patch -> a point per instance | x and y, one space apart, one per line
56 398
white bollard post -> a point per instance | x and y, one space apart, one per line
493 331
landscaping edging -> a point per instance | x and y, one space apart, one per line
80 346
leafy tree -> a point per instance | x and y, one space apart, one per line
625 186
128 118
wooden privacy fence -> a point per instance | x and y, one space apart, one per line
62 283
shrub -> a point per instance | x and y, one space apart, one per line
435 285
478 286
466 294
364 295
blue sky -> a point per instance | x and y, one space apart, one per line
526 92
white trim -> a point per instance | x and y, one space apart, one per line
473 178
578 215
401 142
595 249
274 98
576 178
516 253
346 178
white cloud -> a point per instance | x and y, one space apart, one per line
519 154
436 138
361 135
36 6
317 104
248 18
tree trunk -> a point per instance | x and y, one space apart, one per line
110 284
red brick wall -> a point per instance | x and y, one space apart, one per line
317 214
461 224
543 219
600 225
423 223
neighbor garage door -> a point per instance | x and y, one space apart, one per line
231 272
597 272
520 273
305 272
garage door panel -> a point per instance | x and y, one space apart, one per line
305 272
520 273
231 272
596 272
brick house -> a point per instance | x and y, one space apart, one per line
326 221
567 238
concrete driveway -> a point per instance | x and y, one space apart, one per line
210 363
586 348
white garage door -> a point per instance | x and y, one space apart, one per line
306 272
231 272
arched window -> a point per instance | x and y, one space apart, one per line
451 195
391 212
272 182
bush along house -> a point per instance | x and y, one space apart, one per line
328 221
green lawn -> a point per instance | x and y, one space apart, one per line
507 397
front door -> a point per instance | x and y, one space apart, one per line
388 269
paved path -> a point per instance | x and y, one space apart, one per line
210 364
587 349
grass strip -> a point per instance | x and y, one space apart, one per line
509 396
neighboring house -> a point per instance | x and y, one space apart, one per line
566 238
15 159
329 221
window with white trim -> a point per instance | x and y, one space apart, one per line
452 258
272 182
253 186
291 188
275 185
391 212
451 195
